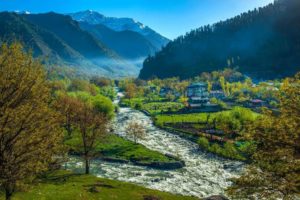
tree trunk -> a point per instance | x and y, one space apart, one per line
135 139
8 192
87 166
69 127
69 130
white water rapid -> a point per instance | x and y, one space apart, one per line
204 174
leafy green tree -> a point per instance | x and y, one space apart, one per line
84 86
103 105
100 103
30 135
183 100
209 86
136 131
223 84
92 125
109 92
248 82
130 90
66 106
228 89
275 170
101 81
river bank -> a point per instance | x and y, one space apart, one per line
114 148
204 174
65 185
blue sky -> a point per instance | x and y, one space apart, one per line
171 18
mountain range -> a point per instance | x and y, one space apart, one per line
263 43
91 48
121 24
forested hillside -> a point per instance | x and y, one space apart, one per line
15 27
59 40
69 30
128 44
263 43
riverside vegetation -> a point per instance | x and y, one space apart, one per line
169 111
268 140
44 118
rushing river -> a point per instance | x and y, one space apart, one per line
204 174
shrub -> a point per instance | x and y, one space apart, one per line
103 104
215 148
248 148
138 105
230 150
203 143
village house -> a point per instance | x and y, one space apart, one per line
198 95
218 94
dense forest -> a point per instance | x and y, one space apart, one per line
263 43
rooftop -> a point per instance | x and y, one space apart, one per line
198 84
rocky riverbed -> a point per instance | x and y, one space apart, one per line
203 175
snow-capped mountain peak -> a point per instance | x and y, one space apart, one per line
114 23
23 12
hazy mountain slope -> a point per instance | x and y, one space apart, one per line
61 41
128 44
90 47
121 24
15 27
50 47
264 43
69 30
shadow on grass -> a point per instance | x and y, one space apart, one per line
56 178
100 184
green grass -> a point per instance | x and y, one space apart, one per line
232 122
201 117
159 107
131 102
114 146
227 150
63 185
179 118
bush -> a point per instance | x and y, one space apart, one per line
203 143
103 104
230 150
215 148
138 105
248 148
